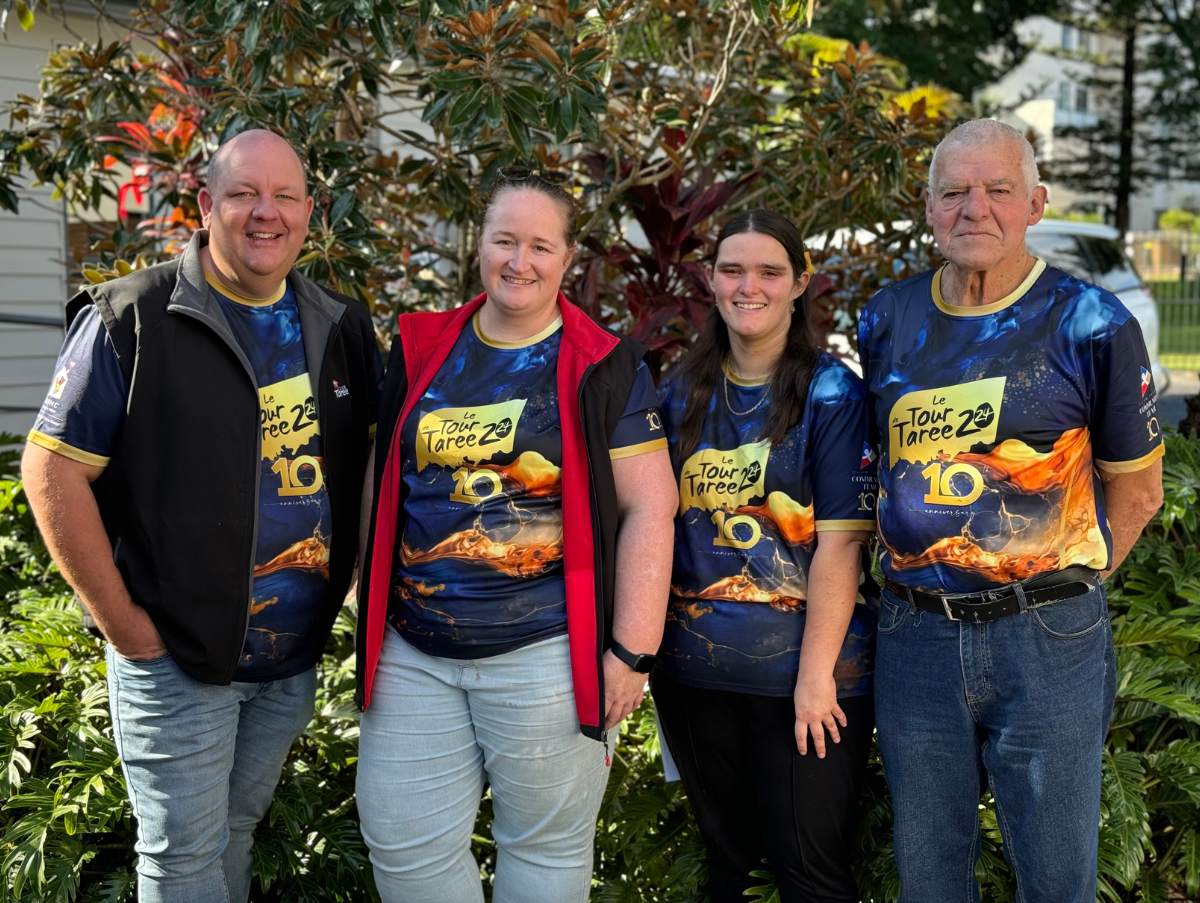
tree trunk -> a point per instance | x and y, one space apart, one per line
1125 155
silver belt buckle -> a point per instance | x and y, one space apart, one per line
946 608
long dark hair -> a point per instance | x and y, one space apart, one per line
701 367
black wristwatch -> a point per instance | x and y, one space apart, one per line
641 664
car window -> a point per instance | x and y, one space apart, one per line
1112 268
1060 250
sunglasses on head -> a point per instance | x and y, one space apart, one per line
524 173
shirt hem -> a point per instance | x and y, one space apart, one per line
732 687
642 448
67 451
1132 466
836 525
267 678
472 652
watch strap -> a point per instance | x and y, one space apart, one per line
642 664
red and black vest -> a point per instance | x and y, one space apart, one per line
596 370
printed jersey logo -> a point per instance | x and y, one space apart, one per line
60 381
938 424
867 456
289 422
712 479
1145 381
340 391
933 423
451 437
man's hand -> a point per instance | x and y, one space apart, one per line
624 690
817 711
60 494
137 640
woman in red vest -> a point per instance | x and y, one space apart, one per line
516 574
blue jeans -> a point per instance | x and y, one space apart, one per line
201 763
1020 705
434 726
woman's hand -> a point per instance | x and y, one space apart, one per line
624 690
817 711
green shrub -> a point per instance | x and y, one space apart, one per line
66 831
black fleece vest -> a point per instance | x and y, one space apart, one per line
179 499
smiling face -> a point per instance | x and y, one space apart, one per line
256 212
755 286
523 254
980 207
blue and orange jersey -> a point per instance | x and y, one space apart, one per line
85 409
480 568
750 517
994 422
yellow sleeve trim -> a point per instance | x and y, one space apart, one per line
372 429
67 451
632 451
1132 466
835 525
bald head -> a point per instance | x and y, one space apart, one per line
254 144
256 208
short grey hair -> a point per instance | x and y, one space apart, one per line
977 132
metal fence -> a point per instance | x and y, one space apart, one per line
1178 328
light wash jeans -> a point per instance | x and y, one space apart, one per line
434 726
201 763
1021 704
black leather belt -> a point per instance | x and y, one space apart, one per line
992 605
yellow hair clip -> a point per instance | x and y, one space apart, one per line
808 264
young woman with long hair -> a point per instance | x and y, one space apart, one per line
763 680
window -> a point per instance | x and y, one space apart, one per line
1059 250
1081 99
1064 95
1068 36
1112 268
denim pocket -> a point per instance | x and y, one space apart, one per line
165 657
892 615
1073 617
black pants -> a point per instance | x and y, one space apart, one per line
755 797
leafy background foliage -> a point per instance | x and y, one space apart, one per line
640 101
66 830
668 114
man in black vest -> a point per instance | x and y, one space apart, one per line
208 424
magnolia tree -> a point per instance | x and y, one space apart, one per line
668 114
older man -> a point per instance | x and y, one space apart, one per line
1019 462
204 439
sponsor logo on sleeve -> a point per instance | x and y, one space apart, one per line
60 380
1146 380
340 391
867 456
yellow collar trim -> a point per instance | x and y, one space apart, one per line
982 310
742 381
523 343
229 293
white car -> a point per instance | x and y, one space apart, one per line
1096 254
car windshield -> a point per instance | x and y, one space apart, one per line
1112 268
1060 250
1101 261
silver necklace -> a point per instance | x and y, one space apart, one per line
757 404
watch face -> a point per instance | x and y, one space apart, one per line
644 664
